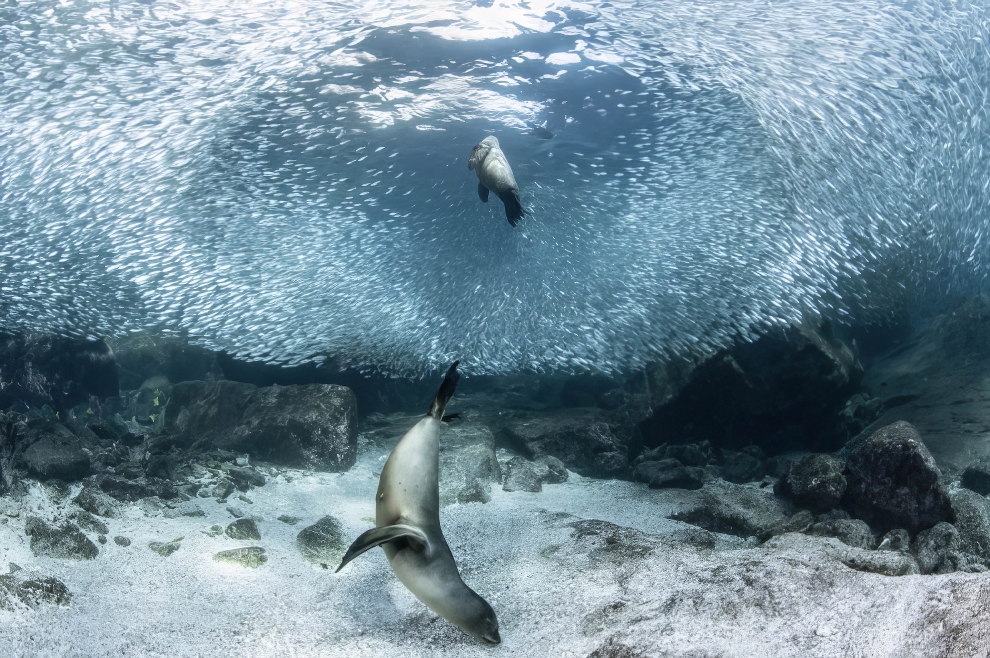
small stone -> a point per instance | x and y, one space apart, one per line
813 481
32 590
249 556
242 460
96 502
740 467
323 541
102 539
236 513
246 500
977 476
245 478
886 563
896 540
797 523
852 532
166 548
290 520
930 546
121 541
243 529
213 531
223 489
89 522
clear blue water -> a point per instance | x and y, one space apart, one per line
288 180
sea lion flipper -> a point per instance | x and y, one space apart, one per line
482 191
445 392
378 536
513 205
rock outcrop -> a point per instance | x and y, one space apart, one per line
893 482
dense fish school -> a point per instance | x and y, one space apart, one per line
289 182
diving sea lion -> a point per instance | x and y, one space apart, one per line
495 174
407 516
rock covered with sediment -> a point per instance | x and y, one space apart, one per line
815 482
582 438
305 426
894 482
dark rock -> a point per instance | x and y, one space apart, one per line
813 481
163 467
142 356
977 476
852 532
133 490
289 520
53 452
249 556
859 412
243 529
898 540
121 541
777 465
683 477
102 539
37 369
784 391
31 590
931 546
796 523
893 482
166 548
306 426
740 467
885 563
89 522
581 438
63 541
524 475
736 510
246 477
96 502
972 522
223 489
234 512
692 454
322 542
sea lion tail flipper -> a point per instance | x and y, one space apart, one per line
445 393
482 191
513 205
378 536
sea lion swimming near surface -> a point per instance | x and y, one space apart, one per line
495 174
407 516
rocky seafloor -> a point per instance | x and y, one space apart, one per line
792 496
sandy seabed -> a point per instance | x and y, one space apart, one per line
562 584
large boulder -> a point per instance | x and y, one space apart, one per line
814 482
65 541
468 465
581 438
52 452
324 542
304 426
977 476
787 390
893 482
39 369
972 522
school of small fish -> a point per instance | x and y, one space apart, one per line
287 181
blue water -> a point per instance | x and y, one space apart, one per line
288 180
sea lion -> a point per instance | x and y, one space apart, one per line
495 174
407 516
